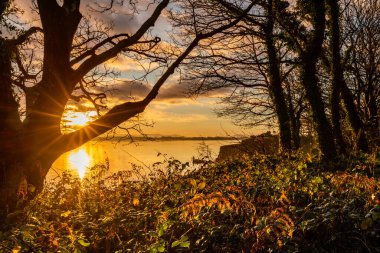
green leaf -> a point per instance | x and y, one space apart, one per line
184 238
83 243
161 249
160 232
176 243
185 244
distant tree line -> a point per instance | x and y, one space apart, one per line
303 65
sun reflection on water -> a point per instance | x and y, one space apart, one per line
80 161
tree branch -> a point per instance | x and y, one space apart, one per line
3 6
24 36
95 60
92 51
125 111
238 11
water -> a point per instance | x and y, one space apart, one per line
121 155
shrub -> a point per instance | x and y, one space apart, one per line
253 204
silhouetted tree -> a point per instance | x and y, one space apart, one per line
339 86
361 33
307 44
30 146
253 68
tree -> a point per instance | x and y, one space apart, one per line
340 88
30 146
253 69
307 43
361 35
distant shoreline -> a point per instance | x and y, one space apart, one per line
172 138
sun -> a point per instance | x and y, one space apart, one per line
79 119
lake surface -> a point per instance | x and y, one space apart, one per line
122 155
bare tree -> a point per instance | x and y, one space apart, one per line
307 40
250 61
361 38
339 86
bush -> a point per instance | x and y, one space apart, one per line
254 204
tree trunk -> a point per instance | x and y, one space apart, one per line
22 170
337 74
10 126
21 179
309 81
355 121
295 121
322 125
296 126
340 87
372 106
275 84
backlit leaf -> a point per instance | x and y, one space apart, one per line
16 249
193 182
83 243
201 185
66 214
185 245
136 202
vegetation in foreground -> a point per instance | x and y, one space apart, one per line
254 204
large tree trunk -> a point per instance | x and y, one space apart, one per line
340 87
275 83
354 118
9 125
337 74
58 80
322 125
18 167
309 81
21 179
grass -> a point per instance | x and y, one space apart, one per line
253 204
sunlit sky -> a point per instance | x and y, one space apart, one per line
172 113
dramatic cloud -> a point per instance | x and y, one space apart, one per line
170 93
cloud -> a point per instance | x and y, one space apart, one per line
122 16
174 93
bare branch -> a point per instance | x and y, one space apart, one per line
92 51
24 36
95 60
125 111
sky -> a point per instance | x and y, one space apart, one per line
172 112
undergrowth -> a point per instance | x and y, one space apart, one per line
253 204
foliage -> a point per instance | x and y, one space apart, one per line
254 204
